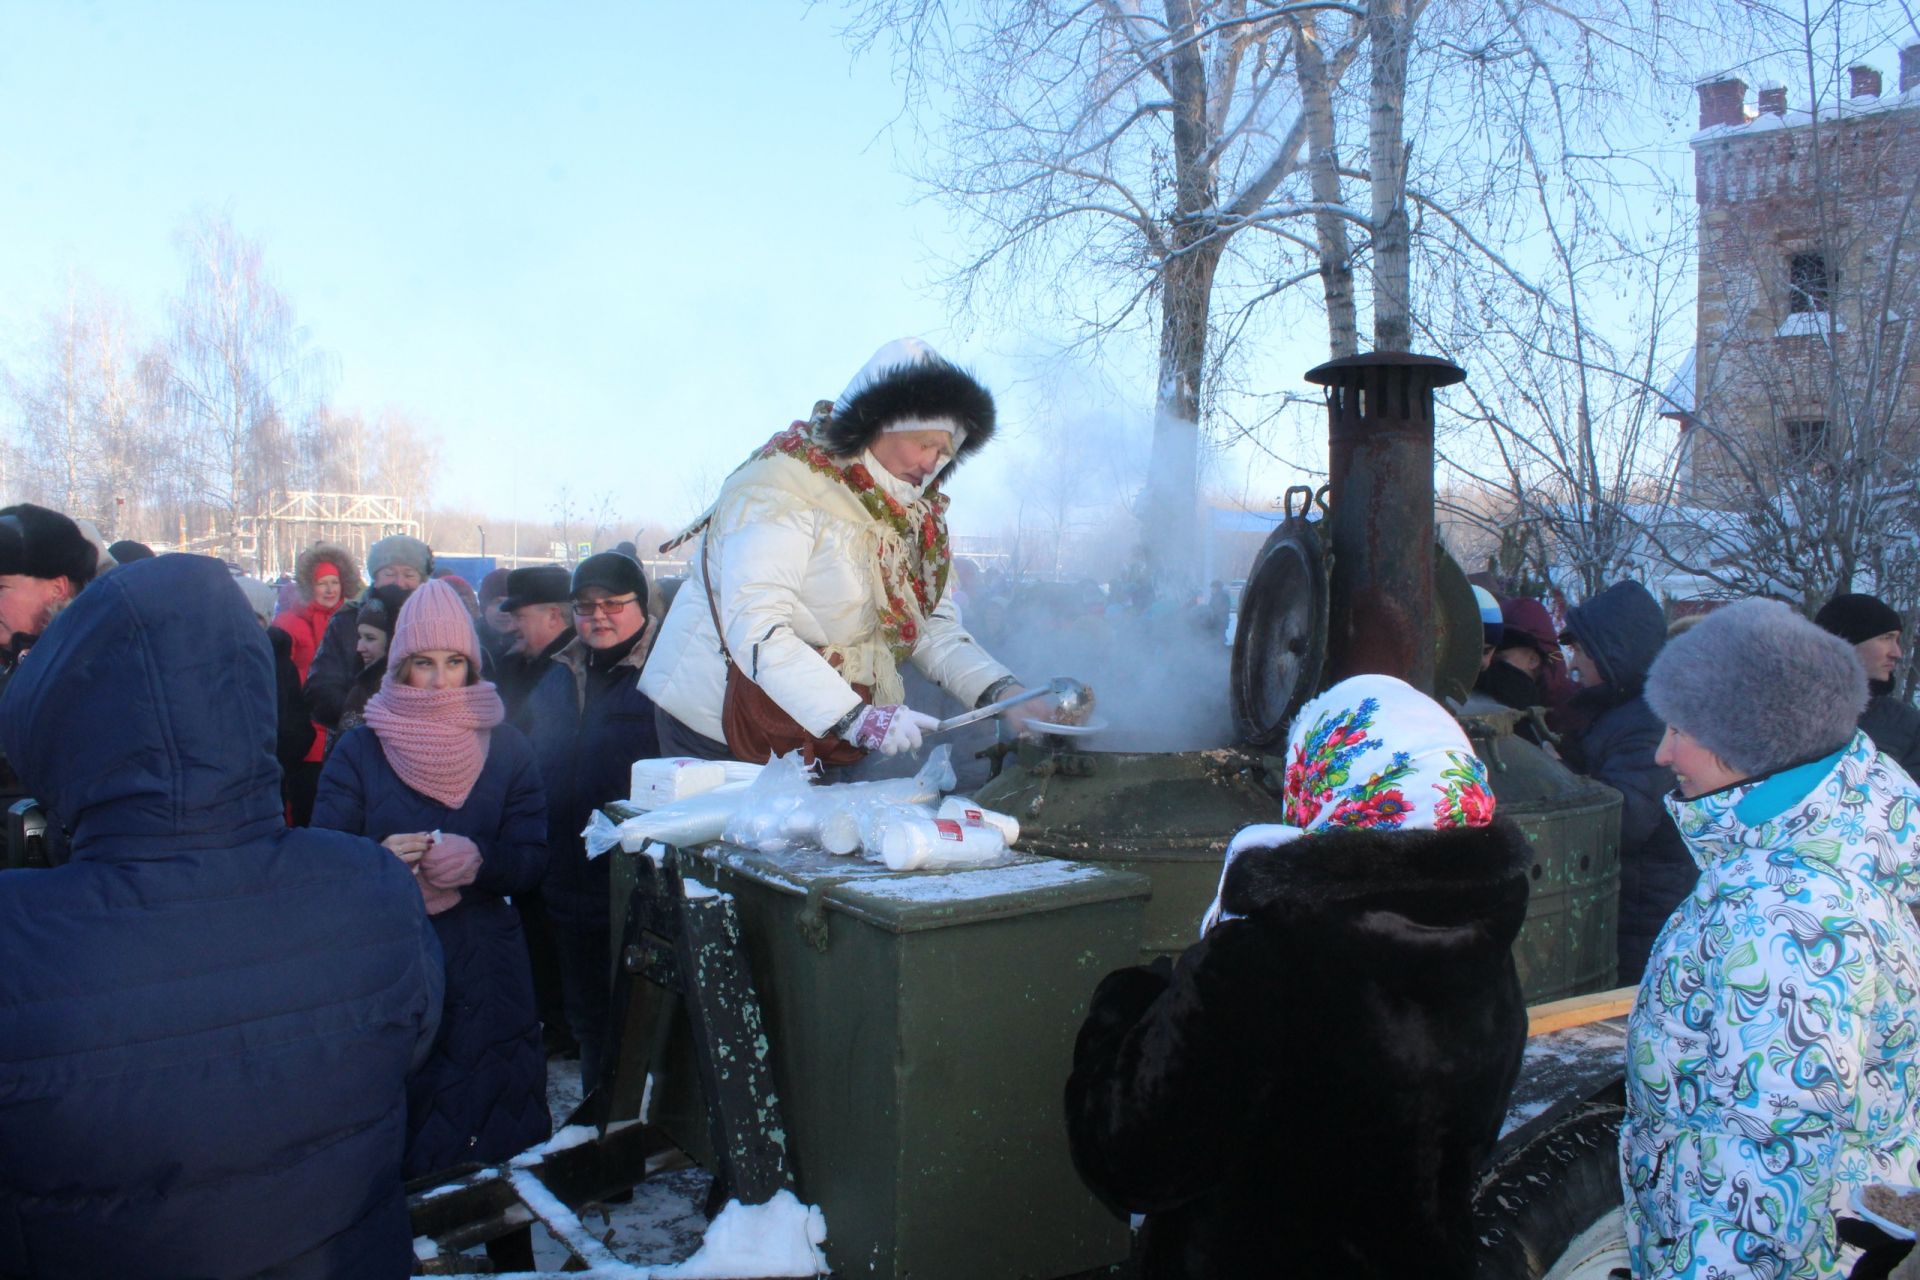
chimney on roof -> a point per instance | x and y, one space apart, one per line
1909 67
1865 82
1722 101
1772 100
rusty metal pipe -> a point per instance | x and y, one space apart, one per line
1380 455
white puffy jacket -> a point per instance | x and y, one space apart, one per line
796 569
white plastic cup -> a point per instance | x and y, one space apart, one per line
840 833
912 842
961 809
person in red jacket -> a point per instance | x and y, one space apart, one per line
328 578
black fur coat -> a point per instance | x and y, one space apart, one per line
1315 1088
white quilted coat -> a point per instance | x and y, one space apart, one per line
795 566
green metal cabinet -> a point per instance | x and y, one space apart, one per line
1567 946
922 1029
1168 815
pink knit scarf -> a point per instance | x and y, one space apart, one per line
436 739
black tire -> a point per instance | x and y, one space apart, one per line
1557 1191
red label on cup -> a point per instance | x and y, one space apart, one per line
973 816
949 829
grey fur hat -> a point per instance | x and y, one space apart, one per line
398 548
1760 687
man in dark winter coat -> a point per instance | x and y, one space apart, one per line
44 562
1314 1087
538 600
1873 629
1613 639
590 723
206 1019
395 561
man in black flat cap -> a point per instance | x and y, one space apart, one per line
1873 629
537 601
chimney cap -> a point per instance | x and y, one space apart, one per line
1723 101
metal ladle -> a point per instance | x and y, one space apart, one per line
1070 698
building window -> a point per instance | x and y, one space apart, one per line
1806 437
1809 283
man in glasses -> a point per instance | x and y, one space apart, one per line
590 723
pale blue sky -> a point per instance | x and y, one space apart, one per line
616 244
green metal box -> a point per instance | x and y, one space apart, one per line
1166 815
922 1029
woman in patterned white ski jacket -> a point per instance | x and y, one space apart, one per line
1774 1049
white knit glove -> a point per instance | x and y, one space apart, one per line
889 730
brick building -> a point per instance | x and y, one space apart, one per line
1809 282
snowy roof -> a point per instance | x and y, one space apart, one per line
1797 118
1678 397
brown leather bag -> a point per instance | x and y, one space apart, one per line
756 727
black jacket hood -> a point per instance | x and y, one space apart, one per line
148 710
1622 630
931 388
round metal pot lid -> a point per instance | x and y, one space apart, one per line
1280 641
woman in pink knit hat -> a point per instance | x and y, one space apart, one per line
436 777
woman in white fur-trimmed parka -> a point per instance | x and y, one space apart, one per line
829 567
1773 1054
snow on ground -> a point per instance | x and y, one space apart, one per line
779 1238
662 1225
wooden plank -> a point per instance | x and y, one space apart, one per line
1578 1011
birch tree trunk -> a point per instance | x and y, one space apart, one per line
1186 290
1323 170
1389 29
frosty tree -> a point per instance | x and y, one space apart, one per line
237 375
1188 164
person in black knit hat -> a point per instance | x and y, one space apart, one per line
1873 629
44 562
590 723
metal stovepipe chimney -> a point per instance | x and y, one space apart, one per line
1380 456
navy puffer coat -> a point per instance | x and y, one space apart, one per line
590 723
482 1095
1623 629
205 1019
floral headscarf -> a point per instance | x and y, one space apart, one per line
1371 752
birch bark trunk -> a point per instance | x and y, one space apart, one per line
1389 30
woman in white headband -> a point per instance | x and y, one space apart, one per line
823 567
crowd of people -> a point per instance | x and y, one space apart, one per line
324 910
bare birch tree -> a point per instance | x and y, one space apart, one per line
1124 155
238 375
84 415
1208 157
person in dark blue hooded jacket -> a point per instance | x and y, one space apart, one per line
1613 639
206 1019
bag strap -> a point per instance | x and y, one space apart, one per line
713 605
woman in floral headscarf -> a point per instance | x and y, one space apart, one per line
1340 1043
823 569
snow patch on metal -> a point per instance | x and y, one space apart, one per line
990 882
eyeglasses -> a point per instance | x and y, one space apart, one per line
605 608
